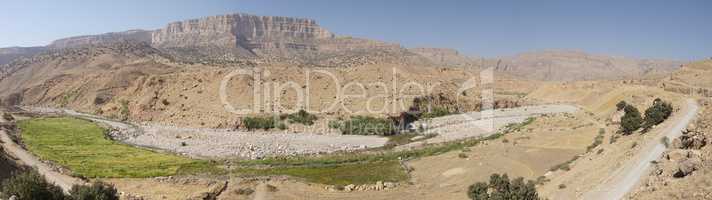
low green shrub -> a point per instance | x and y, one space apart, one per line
30 185
124 112
596 141
95 191
621 105
265 123
365 125
436 112
302 117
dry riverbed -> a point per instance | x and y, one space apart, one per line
223 143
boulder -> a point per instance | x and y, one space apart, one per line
686 167
676 155
690 139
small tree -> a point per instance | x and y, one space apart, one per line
95 191
621 105
657 113
500 187
478 191
30 185
631 120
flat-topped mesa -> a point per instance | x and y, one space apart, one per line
242 31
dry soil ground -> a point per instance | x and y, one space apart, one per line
447 176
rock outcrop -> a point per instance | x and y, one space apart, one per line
690 139
240 37
678 163
242 31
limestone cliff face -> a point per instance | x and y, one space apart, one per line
242 31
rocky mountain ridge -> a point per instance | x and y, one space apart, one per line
571 65
235 39
102 39
9 54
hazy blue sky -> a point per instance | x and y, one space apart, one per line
645 28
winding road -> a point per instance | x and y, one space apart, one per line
623 180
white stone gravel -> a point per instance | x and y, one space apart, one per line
218 143
223 143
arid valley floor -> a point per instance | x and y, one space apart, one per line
176 113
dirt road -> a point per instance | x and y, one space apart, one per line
61 180
619 183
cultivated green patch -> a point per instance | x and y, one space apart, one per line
82 147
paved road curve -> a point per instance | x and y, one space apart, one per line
628 176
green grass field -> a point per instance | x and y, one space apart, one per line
81 146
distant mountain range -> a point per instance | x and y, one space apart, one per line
240 38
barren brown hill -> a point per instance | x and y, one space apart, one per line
449 57
149 86
102 39
9 54
557 65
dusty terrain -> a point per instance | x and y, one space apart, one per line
628 176
173 89
571 65
480 124
663 182
593 168
527 153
